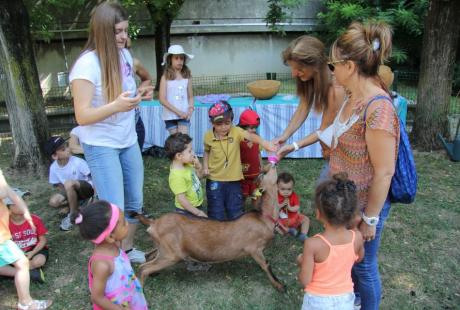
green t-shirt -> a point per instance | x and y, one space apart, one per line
186 181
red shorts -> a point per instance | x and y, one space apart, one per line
247 187
292 222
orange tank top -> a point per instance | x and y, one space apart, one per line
333 276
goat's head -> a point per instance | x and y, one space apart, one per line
267 186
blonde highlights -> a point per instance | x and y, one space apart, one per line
308 51
102 40
368 45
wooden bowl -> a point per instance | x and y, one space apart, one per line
264 89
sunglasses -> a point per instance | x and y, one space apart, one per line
331 64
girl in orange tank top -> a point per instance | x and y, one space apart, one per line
327 259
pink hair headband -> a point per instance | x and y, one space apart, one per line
113 222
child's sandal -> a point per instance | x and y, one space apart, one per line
36 305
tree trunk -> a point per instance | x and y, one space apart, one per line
440 41
23 95
162 41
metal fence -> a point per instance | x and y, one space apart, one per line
58 101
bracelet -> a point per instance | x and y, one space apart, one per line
296 146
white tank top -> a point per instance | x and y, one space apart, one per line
176 94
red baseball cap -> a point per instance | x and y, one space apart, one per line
249 118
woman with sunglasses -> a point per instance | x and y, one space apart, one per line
365 141
316 89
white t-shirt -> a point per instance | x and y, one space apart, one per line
76 131
118 130
177 95
76 169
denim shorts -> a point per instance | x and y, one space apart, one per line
174 123
9 253
318 302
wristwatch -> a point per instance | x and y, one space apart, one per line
371 221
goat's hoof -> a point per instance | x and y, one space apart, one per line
280 287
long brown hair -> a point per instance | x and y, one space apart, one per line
169 72
309 51
368 45
102 40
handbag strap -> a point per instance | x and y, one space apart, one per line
378 97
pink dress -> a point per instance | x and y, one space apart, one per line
123 287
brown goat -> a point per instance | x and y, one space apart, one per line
179 237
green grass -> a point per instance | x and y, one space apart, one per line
419 256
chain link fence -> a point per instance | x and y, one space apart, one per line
59 108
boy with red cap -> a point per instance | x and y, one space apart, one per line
250 153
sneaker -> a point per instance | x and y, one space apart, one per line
37 275
197 266
36 305
302 237
66 224
136 256
292 232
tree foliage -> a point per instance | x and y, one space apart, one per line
405 16
279 12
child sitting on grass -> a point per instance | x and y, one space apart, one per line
289 204
31 240
10 254
112 281
71 175
327 259
222 162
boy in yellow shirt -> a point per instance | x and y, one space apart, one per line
222 162
184 175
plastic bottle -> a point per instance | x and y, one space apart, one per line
272 158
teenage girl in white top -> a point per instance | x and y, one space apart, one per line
105 96
176 94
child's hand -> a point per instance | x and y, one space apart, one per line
205 171
299 259
29 255
200 213
268 146
125 102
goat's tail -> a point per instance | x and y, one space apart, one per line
141 217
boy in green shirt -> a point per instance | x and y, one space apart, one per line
184 175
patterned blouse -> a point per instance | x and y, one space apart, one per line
351 154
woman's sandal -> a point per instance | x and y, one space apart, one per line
36 305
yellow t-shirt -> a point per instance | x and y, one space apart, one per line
224 160
185 181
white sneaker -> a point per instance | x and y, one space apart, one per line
136 256
66 225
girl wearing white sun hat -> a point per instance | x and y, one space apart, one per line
176 94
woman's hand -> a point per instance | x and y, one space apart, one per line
284 150
190 112
200 213
278 141
125 102
367 231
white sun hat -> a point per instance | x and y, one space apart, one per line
176 50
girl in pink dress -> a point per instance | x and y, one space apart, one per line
112 281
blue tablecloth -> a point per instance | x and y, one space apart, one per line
275 114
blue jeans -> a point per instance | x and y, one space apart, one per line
366 277
118 175
225 200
